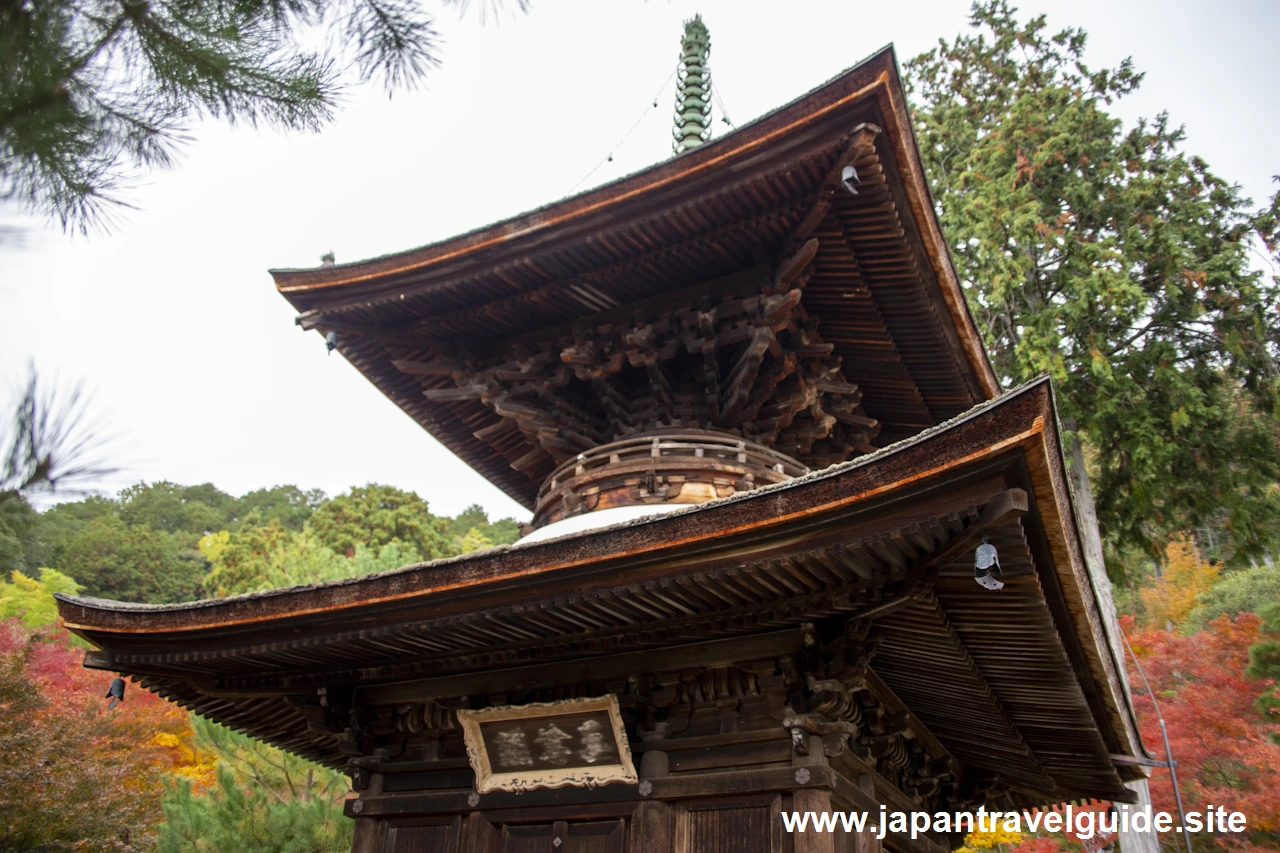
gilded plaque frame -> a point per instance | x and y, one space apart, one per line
581 774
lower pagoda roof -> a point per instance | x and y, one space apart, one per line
1023 684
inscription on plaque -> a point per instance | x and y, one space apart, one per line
548 745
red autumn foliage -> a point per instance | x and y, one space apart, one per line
1225 752
1039 844
1068 839
73 775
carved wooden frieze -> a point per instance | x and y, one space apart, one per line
578 742
745 360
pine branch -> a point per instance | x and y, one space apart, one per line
92 91
50 442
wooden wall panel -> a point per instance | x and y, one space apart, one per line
597 836
749 825
602 836
528 839
435 837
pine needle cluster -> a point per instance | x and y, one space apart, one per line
93 92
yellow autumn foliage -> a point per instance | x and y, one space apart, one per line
187 760
996 838
1175 593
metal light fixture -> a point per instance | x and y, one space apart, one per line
115 692
986 566
849 179
331 341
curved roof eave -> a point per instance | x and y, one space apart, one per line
876 78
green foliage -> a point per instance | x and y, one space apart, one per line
504 531
190 510
474 541
377 515
472 516
264 800
271 557
163 541
193 511
90 92
1241 591
289 505
18 525
367 561
32 600
62 522
239 560
113 560
1117 263
1264 661
1267 227
30 540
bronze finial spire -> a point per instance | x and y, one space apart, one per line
693 88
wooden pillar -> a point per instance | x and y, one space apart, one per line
813 800
368 829
365 838
651 824
651 827
865 841
817 801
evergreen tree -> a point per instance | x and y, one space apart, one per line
1116 262
113 560
247 818
264 800
504 531
240 561
289 505
475 540
268 556
377 515
19 542
187 511
1264 661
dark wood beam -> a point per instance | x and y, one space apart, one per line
437 367
710 654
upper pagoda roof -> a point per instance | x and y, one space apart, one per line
881 284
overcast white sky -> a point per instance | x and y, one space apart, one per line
197 366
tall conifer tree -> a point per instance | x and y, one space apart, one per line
1117 262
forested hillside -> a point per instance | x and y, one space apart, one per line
145 775
161 542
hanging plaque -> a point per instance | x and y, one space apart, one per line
580 742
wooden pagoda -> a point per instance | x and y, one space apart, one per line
754 366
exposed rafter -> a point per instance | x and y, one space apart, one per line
745 360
